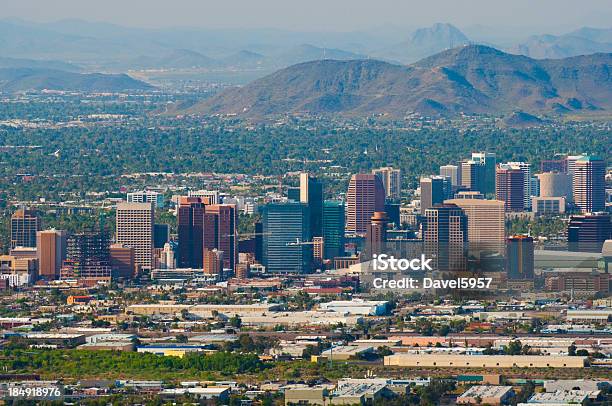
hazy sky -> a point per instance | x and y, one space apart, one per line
329 15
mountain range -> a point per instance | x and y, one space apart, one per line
27 79
95 46
580 42
471 79
186 59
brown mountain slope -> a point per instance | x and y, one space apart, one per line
470 79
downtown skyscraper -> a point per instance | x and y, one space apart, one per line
134 229
526 169
88 258
453 172
489 161
286 238
434 190
333 229
445 235
311 193
474 176
190 232
220 228
51 252
588 232
486 225
520 258
25 224
589 184
391 180
366 194
510 188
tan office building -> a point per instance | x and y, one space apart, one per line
51 252
135 229
486 224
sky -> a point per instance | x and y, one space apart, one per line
319 15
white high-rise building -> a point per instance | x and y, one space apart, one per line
391 180
135 229
571 163
147 196
208 196
453 172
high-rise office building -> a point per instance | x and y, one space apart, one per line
589 184
134 229
311 193
434 190
486 224
453 172
161 235
220 229
391 180
376 236
123 260
51 252
526 169
474 175
365 195
147 196
510 188
333 229
88 258
489 161
190 232
445 234
570 163
520 258
206 196
286 245
24 226
588 232
555 184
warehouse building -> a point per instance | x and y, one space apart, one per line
484 361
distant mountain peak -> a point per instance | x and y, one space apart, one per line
439 32
427 41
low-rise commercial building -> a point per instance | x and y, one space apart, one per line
486 395
346 352
356 306
171 350
561 397
484 361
